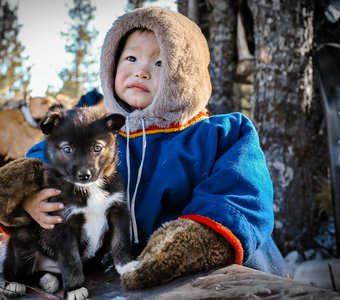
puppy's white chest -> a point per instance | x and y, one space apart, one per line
96 223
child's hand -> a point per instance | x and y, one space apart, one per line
178 248
38 207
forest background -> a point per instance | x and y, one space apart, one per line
262 63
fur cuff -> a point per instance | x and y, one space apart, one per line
19 179
178 248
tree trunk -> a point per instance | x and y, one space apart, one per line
136 3
222 43
217 20
287 116
182 6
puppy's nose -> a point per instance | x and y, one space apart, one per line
84 175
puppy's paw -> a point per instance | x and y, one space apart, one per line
49 283
14 289
129 267
79 294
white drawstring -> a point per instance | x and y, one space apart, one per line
127 125
134 230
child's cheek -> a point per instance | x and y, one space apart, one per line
118 85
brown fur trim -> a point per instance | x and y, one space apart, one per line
185 86
178 248
18 180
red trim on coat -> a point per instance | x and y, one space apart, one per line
227 234
4 229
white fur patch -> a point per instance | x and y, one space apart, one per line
96 224
14 289
49 283
79 294
130 266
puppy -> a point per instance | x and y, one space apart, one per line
82 158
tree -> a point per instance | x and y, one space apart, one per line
78 77
14 77
282 111
222 34
133 4
289 117
217 19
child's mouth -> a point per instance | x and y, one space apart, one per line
139 88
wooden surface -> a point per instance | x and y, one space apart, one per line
234 282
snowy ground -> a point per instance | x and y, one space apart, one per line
317 271
317 266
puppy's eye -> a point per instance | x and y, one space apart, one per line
97 148
67 149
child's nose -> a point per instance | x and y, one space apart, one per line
142 74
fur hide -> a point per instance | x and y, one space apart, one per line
178 248
18 180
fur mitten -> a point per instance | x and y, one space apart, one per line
19 179
178 248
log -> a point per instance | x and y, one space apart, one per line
233 282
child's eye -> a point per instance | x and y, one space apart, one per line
158 63
131 58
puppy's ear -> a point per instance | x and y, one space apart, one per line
114 121
51 121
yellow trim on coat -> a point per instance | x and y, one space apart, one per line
172 128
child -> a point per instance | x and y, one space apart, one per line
199 190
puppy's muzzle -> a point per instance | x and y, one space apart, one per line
84 175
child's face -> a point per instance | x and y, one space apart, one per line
138 70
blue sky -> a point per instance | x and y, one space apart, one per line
43 20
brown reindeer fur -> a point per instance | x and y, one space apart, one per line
18 180
16 135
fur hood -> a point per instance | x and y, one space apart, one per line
184 88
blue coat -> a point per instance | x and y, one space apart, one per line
211 170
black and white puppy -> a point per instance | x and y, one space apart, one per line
81 149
